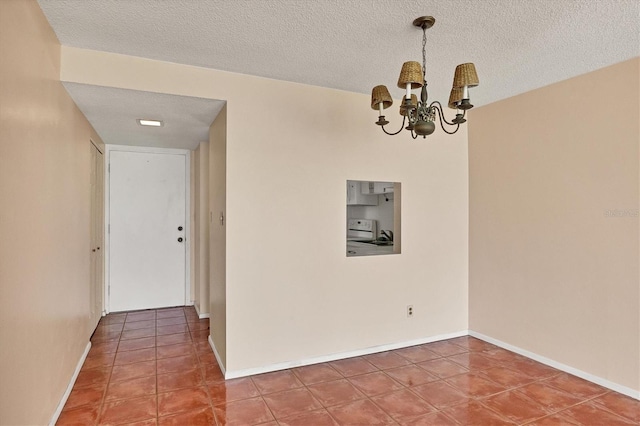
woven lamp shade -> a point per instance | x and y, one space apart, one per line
455 97
380 94
465 76
414 102
411 73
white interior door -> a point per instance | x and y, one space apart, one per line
147 218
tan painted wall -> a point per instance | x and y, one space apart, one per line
217 197
550 271
44 220
291 292
201 226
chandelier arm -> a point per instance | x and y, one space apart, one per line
441 111
440 116
401 127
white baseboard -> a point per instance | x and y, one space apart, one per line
217 355
558 365
341 355
63 401
200 315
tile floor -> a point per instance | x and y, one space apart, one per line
156 368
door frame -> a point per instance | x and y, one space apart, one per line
107 219
101 290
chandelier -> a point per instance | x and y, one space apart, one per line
417 112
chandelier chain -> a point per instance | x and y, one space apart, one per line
424 54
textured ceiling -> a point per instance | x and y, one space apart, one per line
353 45
113 113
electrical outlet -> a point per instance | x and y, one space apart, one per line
409 311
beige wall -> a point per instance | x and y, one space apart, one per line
550 272
291 292
217 196
44 220
201 226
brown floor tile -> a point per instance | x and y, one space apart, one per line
619 404
376 383
130 357
411 375
149 422
442 367
403 405
437 418
474 413
175 350
503 355
516 407
176 364
353 366
474 385
473 361
445 348
205 358
85 415
315 418
108 328
440 394
199 325
291 402
387 360
103 347
532 368
549 397
93 376
172 329
200 335
170 313
361 412
183 379
99 360
131 388
591 414
105 336
173 339
555 420
243 412
576 386
161 322
202 416
141 316
232 390
135 344
417 354
190 399
89 395
133 371
316 373
212 373
128 410
276 381
506 376
138 333
472 344
336 392
140 324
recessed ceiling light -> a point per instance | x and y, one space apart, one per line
153 123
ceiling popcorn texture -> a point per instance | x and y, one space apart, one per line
354 45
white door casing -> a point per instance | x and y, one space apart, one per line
147 203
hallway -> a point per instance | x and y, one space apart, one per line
156 367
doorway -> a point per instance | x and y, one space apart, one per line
96 232
147 228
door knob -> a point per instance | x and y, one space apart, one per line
180 239
179 228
